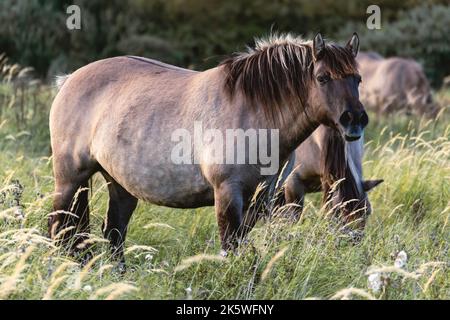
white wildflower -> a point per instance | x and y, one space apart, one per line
223 253
148 257
87 288
189 293
374 282
18 212
401 259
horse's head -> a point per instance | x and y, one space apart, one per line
334 89
352 207
419 97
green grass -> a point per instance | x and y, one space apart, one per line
173 254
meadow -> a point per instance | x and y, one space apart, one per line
173 254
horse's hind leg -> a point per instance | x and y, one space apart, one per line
69 223
120 208
294 193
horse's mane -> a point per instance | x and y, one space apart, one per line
334 167
276 73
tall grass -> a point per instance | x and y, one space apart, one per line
173 254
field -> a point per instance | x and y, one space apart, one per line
173 254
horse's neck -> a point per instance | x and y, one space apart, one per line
295 128
294 131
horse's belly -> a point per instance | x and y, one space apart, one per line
161 183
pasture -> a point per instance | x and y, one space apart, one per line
173 254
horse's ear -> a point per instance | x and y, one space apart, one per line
318 46
353 44
370 184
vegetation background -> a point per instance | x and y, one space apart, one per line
198 33
171 253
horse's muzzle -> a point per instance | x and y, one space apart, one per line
353 133
351 138
353 123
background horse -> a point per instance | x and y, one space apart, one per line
116 116
326 162
395 84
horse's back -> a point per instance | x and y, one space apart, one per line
161 64
104 80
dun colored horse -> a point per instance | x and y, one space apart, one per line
116 116
326 162
395 84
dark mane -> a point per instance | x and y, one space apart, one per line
277 72
334 167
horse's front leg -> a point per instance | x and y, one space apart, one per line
228 201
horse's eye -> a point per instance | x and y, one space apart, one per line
324 78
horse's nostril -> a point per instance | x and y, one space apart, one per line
364 119
346 118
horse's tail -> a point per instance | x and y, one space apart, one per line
60 80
